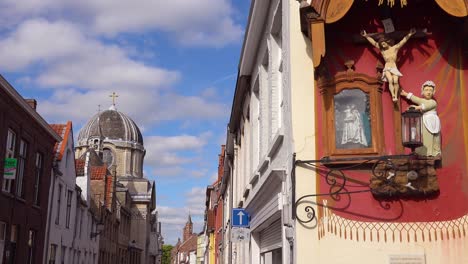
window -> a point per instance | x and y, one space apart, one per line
38 176
32 247
108 157
68 157
63 255
53 253
77 217
255 125
276 72
264 92
69 203
272 257
21 167
13 241
10 153
82 215
59 201
353 115
2 238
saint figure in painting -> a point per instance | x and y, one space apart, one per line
390 73
431 130
353 129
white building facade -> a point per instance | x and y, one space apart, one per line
70 220
265 130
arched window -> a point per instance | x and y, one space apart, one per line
108 157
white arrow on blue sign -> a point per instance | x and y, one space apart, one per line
240 218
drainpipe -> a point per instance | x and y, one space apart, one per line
231 201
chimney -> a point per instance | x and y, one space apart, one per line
32 103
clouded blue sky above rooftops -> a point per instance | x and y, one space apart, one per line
172 63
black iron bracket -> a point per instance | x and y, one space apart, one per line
383 168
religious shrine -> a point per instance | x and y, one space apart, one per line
391 118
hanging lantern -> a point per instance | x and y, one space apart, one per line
411 125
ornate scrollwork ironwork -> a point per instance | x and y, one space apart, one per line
383 168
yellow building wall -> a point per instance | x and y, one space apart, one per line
418 243
212 249
303 129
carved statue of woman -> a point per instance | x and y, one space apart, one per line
390 73
431 130
353 130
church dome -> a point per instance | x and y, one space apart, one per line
110 125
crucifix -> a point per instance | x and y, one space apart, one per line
389 52
113 95
390 73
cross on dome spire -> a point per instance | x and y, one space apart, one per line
113 95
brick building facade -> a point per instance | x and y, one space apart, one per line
26 137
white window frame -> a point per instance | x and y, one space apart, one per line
9 153
3 230
32 246
38 175
63 254
53 253
59 203
69 205
22 160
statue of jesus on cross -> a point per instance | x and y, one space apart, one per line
390 73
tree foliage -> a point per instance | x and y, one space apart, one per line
166 254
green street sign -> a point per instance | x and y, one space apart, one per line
10 168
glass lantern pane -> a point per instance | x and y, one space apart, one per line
405 129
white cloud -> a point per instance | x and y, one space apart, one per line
195 201
210 92
70 58
163 151
174 218
214 177
177 106
201 22
181 142
71 104
168 171
200 173
145 107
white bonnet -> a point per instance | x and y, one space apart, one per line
428 83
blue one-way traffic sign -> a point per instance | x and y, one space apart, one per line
240 218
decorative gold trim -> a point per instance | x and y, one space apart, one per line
458 8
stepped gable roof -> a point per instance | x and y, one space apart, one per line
63 130
111 125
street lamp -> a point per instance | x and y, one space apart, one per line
99 229
411 126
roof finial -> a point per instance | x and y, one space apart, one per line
113 95
99 108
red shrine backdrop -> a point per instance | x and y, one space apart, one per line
438 57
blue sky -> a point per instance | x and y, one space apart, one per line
173 64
